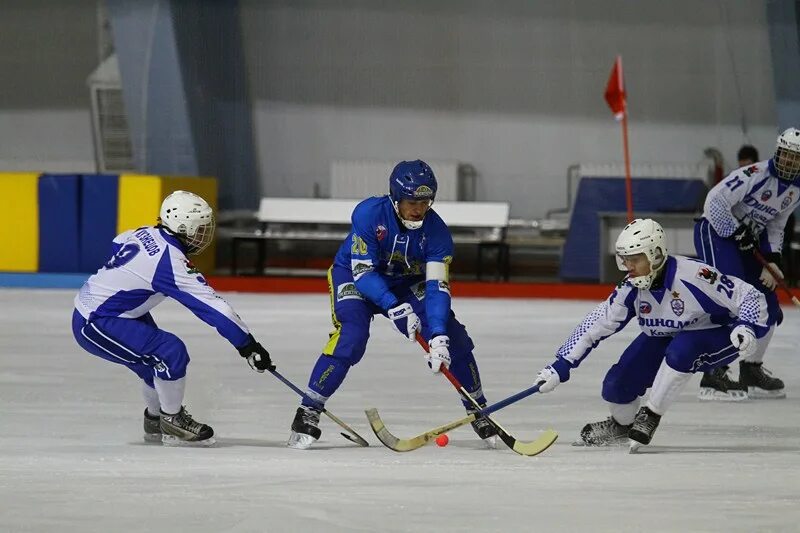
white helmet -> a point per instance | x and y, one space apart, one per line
190 217
787 155
643 236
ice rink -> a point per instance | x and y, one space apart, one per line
72 456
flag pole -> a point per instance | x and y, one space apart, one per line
628 185
616 99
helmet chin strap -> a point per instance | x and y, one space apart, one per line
409 224
646 282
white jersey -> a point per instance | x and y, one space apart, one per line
694 296
147 265
755 196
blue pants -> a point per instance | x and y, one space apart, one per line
688 351
352 314
724 255
135 343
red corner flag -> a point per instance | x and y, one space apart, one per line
615 90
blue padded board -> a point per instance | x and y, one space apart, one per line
580 260
59 218
99 201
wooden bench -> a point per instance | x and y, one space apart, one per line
483 224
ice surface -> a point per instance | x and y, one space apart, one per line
72 456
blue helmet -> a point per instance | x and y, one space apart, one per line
412 180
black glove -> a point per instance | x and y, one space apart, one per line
744 238
257 356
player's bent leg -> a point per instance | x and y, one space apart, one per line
624 384
345 347
666 387
158 357
687 353
168 357
708 351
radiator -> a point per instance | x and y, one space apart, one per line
648 170
359 178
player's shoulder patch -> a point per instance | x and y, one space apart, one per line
190 268
707 274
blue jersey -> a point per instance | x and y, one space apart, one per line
383 255
148 265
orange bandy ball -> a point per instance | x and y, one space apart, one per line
442 440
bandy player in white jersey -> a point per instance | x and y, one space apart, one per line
748 211
112 314
692 318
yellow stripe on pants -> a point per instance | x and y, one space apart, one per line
333 336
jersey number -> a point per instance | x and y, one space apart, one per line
726 286
123 256
359 246
734 183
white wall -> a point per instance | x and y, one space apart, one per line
514 88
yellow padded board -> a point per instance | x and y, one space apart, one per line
139 199
19 226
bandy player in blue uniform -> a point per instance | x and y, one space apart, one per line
692 317
112 316
395 263
748 211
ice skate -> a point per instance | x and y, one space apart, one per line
607 432
152 428
644 426
717 385
181 429
759 383
305 428
485 430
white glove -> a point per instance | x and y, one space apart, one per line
405 320
548 378
744 339
438 353
768 279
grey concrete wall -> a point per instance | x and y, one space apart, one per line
47 49
514 87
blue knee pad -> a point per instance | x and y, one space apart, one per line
636 369
346 346
348 343
170 358
618 388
